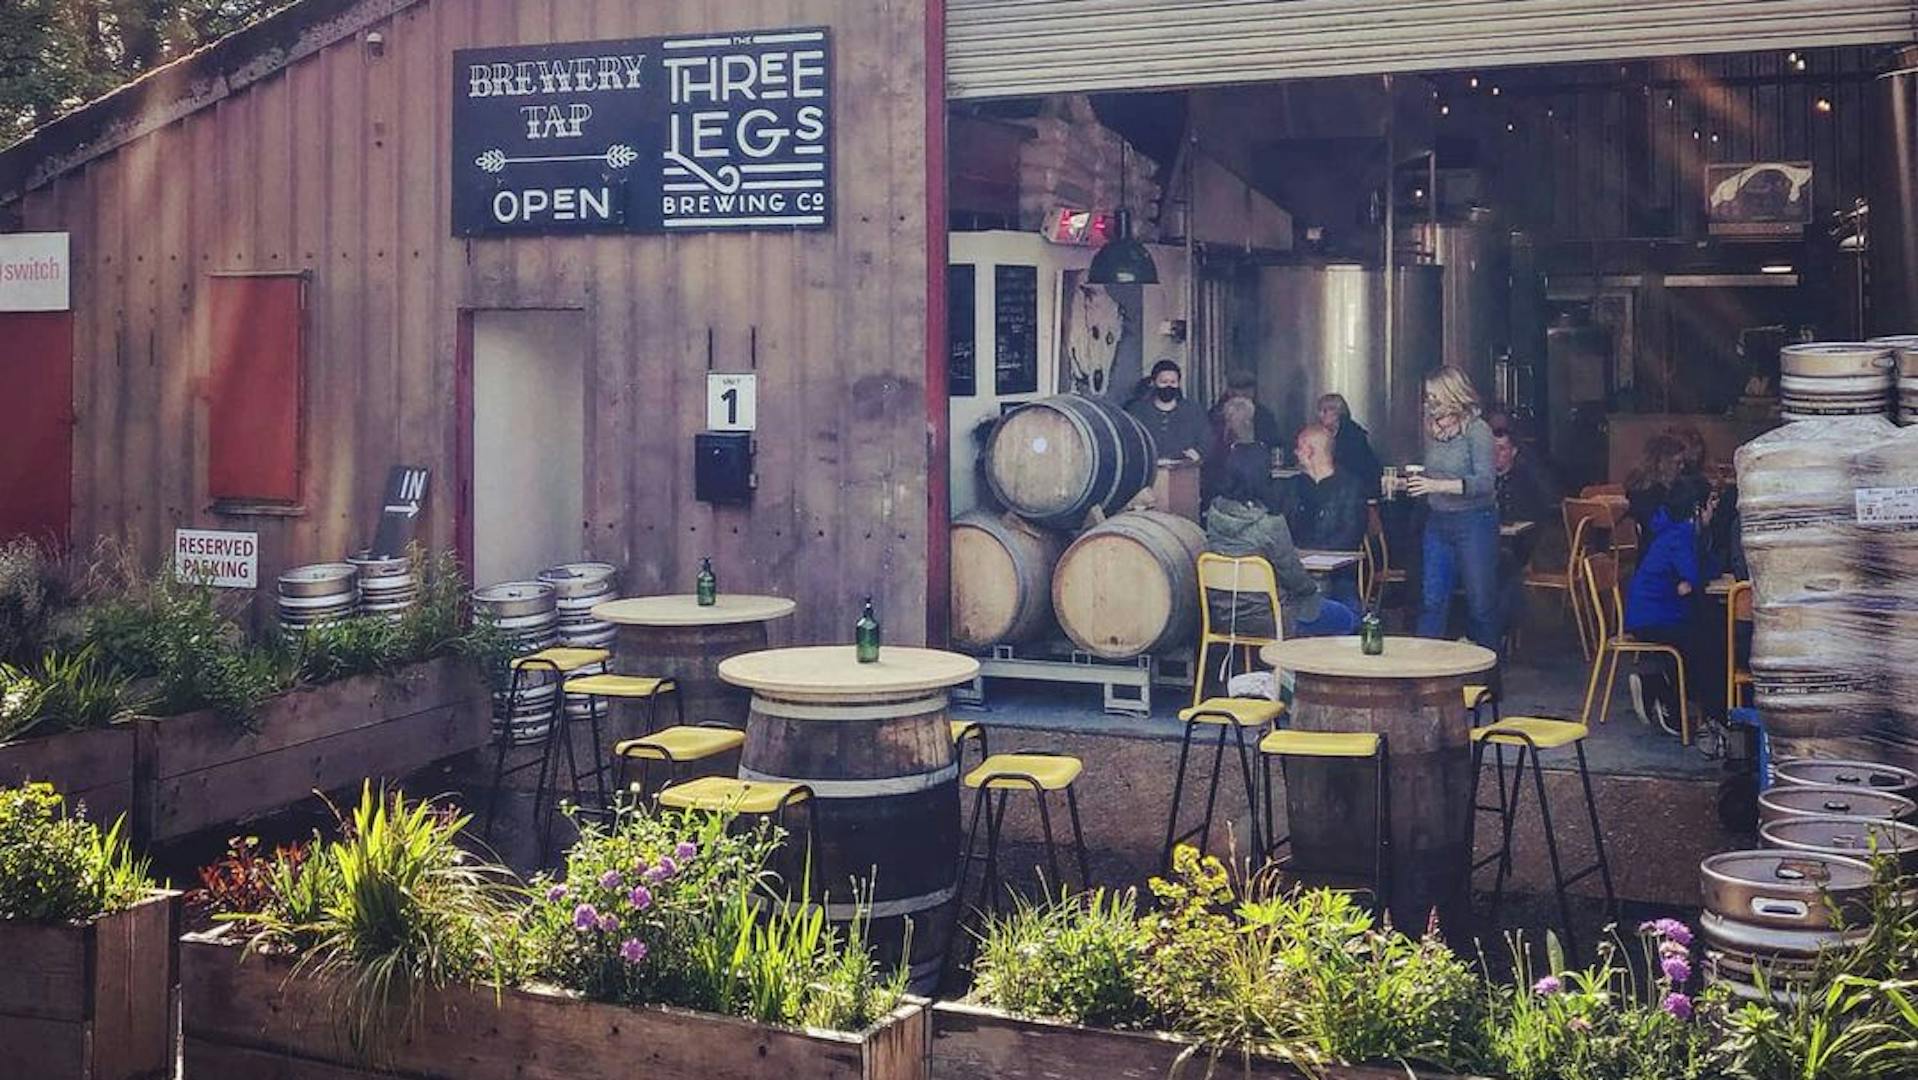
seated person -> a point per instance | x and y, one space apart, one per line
1238 523
1331 508
1238 449
1526 492
1664 603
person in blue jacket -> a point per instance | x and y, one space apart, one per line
1665 603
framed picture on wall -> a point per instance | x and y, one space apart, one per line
1762 198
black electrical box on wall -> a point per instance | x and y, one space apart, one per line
723 466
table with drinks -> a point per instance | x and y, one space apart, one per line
685 637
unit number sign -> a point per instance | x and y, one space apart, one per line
732 402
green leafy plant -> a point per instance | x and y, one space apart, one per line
1073 958
58 868
393 906
37 595
375 644
63 692
677 909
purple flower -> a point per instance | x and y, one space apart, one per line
555 894
1669 929
610 880
1678 1005
585 917
641 898
685 850
608 923
1668 949
666 869
1548 985
1676 969
632 950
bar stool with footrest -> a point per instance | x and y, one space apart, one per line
755 798
1337 744
964 731
1235 715
558 661
1608 618
1477 697
1005 774
1530 736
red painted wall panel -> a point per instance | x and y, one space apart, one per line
36 425
254 388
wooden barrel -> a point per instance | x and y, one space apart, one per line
1054 460
1130 587
691 655
1823 379
1413 695
886 783
1001 580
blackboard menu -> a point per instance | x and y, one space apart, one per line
1015 322
962 338
709 131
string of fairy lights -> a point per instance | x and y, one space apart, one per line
1481 92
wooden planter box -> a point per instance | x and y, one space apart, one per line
972 1042
253 1018
92 1002
198 770
93 767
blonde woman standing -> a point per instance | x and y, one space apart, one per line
1460 484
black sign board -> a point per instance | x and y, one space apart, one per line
400 509
712 131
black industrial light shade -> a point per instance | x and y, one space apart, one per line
1123 260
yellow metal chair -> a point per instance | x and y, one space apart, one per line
1234 715
1477 698
1004 774
1608 617
964 731
1738 609
557 661
1282 744
1242 575
1375 558
1577 515
1529 736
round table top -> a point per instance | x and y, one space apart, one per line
834 671
1404 658
684 610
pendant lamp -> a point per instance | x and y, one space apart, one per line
1123 260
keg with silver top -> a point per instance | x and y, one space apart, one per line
388 585
1846 837
1862 775
1783 801
1769 914
578 588
316 595
1904 347
1834 378
527 613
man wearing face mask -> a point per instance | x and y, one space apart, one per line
1179 428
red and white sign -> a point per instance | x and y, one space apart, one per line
35 272
1079 228
224 560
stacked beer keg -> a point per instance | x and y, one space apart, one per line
1904 348
318 595
388 586
1824 379
1118 588
578 588
1770 913
527 613
1828 532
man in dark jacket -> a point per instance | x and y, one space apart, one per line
1351 446
1179 427
1239 524
1331 509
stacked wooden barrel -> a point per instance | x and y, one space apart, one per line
1829 537
1123 587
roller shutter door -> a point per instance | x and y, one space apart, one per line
998 48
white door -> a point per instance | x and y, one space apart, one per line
529 442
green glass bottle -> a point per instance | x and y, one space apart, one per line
707 585
1371 634
865 635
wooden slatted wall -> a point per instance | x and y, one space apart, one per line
338 165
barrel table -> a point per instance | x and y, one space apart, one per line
673 636
874 743
1413 694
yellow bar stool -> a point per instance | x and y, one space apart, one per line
1004 774
1285 743
558 661
752 798
1226 715
964 731
1529 735
1477 698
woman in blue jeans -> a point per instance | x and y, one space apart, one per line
1460 484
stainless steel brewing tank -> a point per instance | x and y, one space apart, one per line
1321 329
1475 261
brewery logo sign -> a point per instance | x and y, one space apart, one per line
646 135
